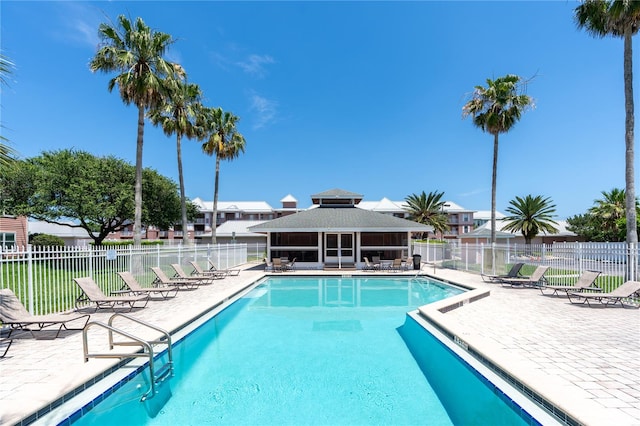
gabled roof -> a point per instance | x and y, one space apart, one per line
234 206
384 205
336 193
346 219
239 227
485 231
289 199
450 206
486 215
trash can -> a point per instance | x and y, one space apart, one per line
416 261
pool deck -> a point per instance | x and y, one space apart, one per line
585 360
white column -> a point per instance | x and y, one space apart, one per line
269 246
320 249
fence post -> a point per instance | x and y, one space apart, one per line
30 277
493 258
466 256
632 262
580 258
90 247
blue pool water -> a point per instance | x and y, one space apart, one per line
338 351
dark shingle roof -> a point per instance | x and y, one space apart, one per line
336 193
340 219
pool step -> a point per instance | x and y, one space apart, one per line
342 267
163 372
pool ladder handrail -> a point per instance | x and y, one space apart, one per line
147 349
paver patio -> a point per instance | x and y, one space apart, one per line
587 360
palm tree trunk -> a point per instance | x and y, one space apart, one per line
630 201
137 221
215 203
494 179
183 203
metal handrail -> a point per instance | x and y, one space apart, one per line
147 347
146 324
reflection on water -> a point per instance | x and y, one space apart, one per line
350 292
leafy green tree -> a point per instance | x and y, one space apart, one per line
177 116
79 190
162 206
619 18
530 216
428 209
495 109
7 154
586 226
135 52
222 139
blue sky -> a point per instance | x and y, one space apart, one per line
363 96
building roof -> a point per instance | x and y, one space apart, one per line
62 231
485 231
486 215
336 193
239 227
234 206
344 219
384 205
289 199
451 207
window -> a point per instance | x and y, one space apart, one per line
369 239
294 239
7 239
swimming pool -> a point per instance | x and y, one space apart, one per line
327 350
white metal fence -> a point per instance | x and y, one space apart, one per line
617 262
42 277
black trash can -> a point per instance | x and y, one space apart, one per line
416 261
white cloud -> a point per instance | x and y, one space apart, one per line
255 64
81 24
265 110
474 192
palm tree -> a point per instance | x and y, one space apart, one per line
496 109
531 215
7 154
428 210
223 140
177 116
618 18
609 210
135 52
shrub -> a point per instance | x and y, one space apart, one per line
45 240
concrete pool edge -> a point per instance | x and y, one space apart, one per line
510 395
116 372
435 315
440 307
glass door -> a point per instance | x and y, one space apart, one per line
338 248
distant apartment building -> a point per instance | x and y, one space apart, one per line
460 220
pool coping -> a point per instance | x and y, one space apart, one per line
435 315
75 403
